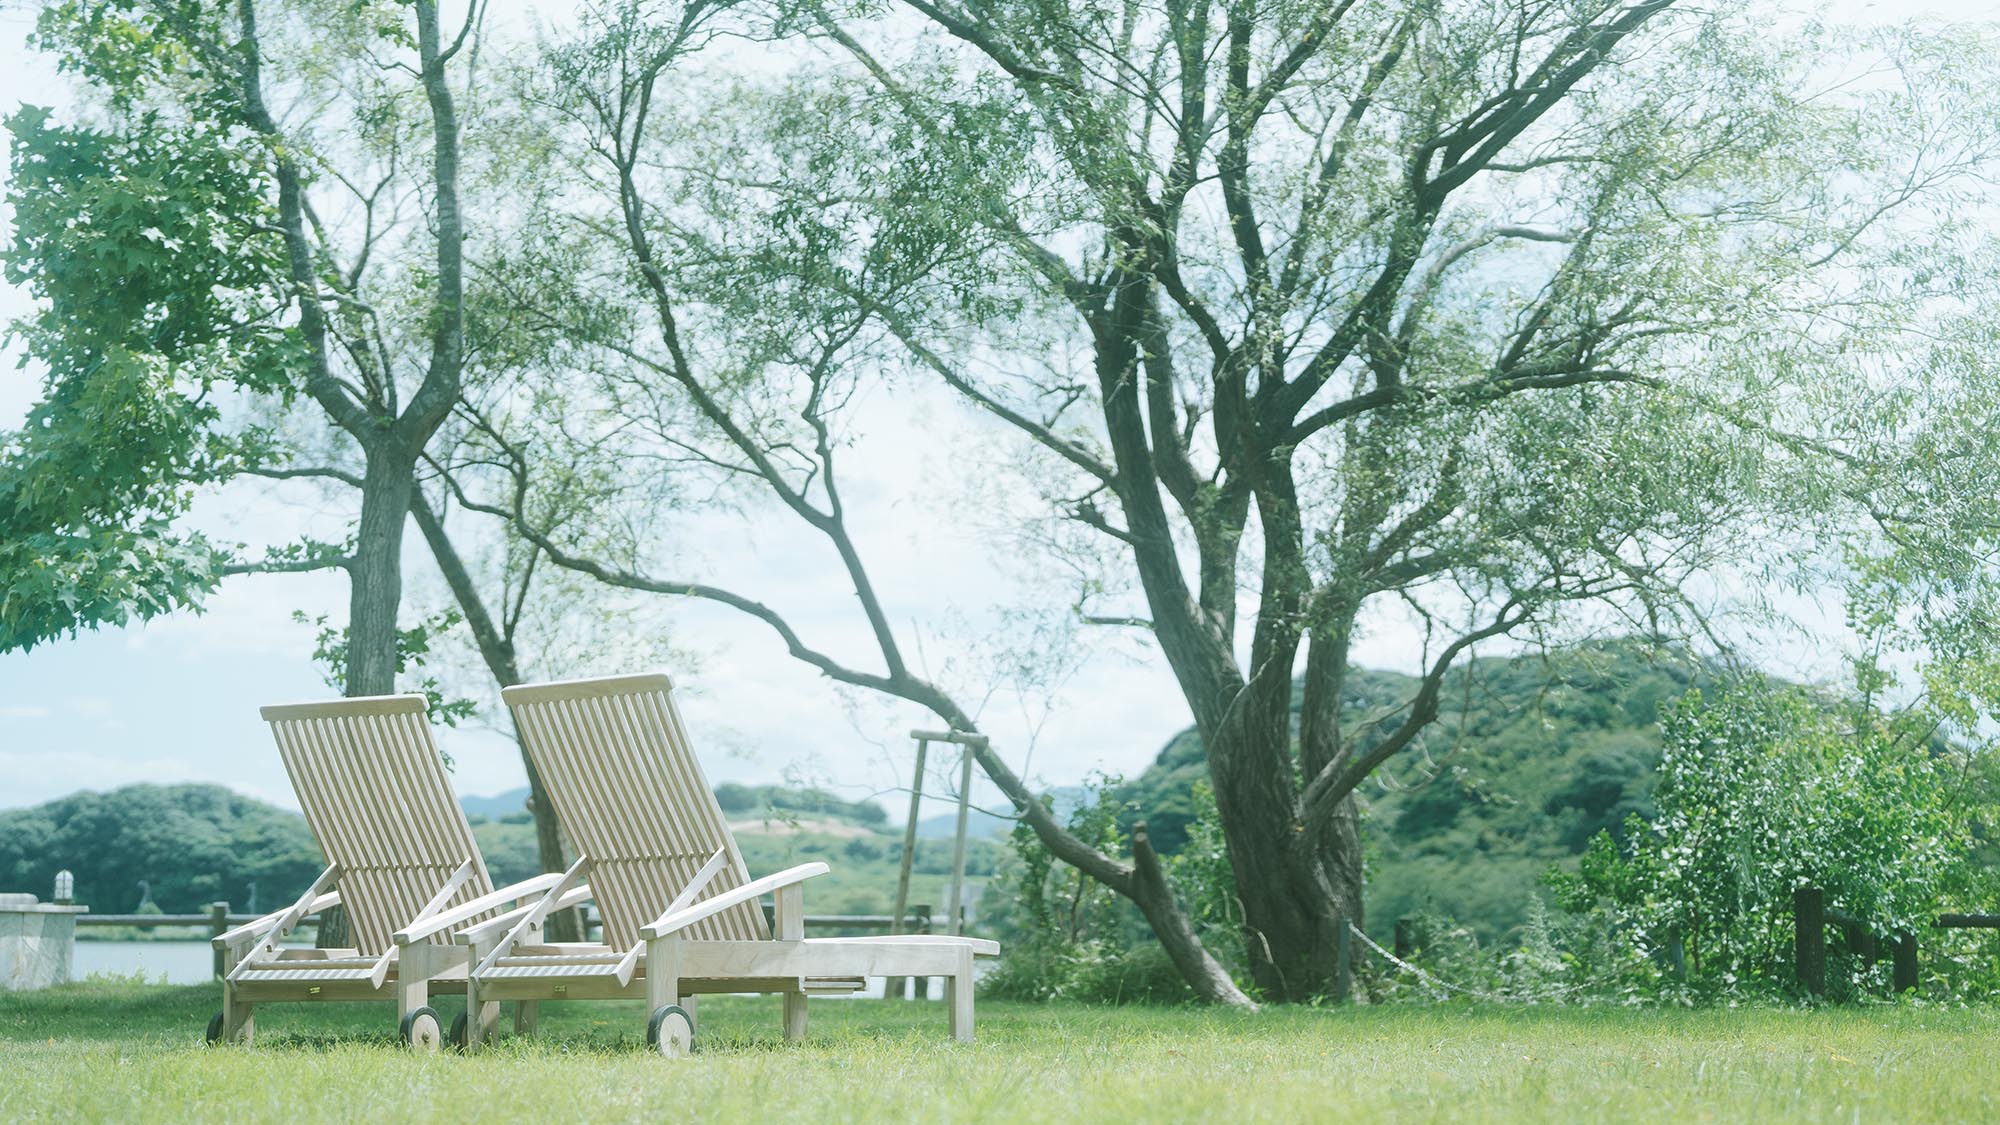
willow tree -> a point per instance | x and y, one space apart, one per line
1475 311
1497 316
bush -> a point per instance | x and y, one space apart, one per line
1765 789
1064 936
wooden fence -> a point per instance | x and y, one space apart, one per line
1811 916
217 918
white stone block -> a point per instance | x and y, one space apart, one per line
36 942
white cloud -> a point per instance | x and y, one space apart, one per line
40 775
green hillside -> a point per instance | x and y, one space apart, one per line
196 844
1530 758
190 844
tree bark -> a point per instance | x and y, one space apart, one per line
1298 888
497 650
377 589
1155 898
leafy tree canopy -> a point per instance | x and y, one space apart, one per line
146 247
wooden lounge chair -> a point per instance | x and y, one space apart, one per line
400 858
681 914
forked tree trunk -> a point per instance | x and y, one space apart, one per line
1297 892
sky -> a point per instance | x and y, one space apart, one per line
176 700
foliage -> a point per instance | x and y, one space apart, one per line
413 650
227 226
150 263
1064 936
1552 957
1765 788
192 844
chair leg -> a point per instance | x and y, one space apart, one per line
412 982
239 1023
485 1026
475 1024
527 1013
958 998
795 1016
666 1031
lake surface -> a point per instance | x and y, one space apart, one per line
179 962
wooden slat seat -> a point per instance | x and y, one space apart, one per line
371 782
681 912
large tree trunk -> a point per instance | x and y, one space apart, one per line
375 593
1298 889
377 589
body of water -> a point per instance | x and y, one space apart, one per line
179 962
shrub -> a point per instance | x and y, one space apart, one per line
1064 936
1764 789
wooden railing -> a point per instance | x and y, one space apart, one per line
1811 916
217 918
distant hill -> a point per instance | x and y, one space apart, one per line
1530 758
196 844
497 805
190 844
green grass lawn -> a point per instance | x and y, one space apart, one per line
104 1051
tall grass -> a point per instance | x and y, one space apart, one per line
112 1050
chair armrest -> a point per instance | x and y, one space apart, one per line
494 927
676 920
458 915
249 932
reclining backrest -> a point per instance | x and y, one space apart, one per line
631 795
371 782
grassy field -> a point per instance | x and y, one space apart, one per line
106 1051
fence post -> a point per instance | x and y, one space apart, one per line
1905 968
1809 939
1405 940
218 921
1343 963
893 986
955 917
920 987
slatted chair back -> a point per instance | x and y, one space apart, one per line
370 779
631 796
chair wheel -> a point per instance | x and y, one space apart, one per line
671 1032
458 1027
423 1031
214 1035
